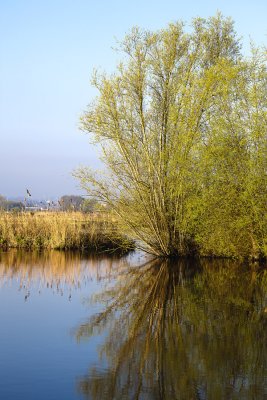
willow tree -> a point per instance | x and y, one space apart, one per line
149 120
231 207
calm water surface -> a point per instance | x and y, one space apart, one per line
85 327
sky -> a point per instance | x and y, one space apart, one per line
48 51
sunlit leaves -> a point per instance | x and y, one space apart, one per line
182 125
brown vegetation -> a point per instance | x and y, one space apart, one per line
61 230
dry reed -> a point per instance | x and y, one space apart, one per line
61 230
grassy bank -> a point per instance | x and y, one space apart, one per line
61 230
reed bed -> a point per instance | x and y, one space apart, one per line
61 230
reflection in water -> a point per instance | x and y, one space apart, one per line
181 331
57 270
170 330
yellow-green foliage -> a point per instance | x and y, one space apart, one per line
183 127
60 230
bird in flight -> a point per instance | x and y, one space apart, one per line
28 193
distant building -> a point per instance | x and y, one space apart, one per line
35 208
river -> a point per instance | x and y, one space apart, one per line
76 326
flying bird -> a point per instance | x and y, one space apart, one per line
28 192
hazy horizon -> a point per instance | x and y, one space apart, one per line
48 53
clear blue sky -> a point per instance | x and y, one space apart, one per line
48 50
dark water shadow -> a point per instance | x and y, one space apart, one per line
181 330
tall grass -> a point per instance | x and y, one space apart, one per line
61 230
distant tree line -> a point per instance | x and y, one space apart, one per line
10 205
65 203
78 203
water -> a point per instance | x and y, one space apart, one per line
86 327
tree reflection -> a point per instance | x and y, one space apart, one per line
181 331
